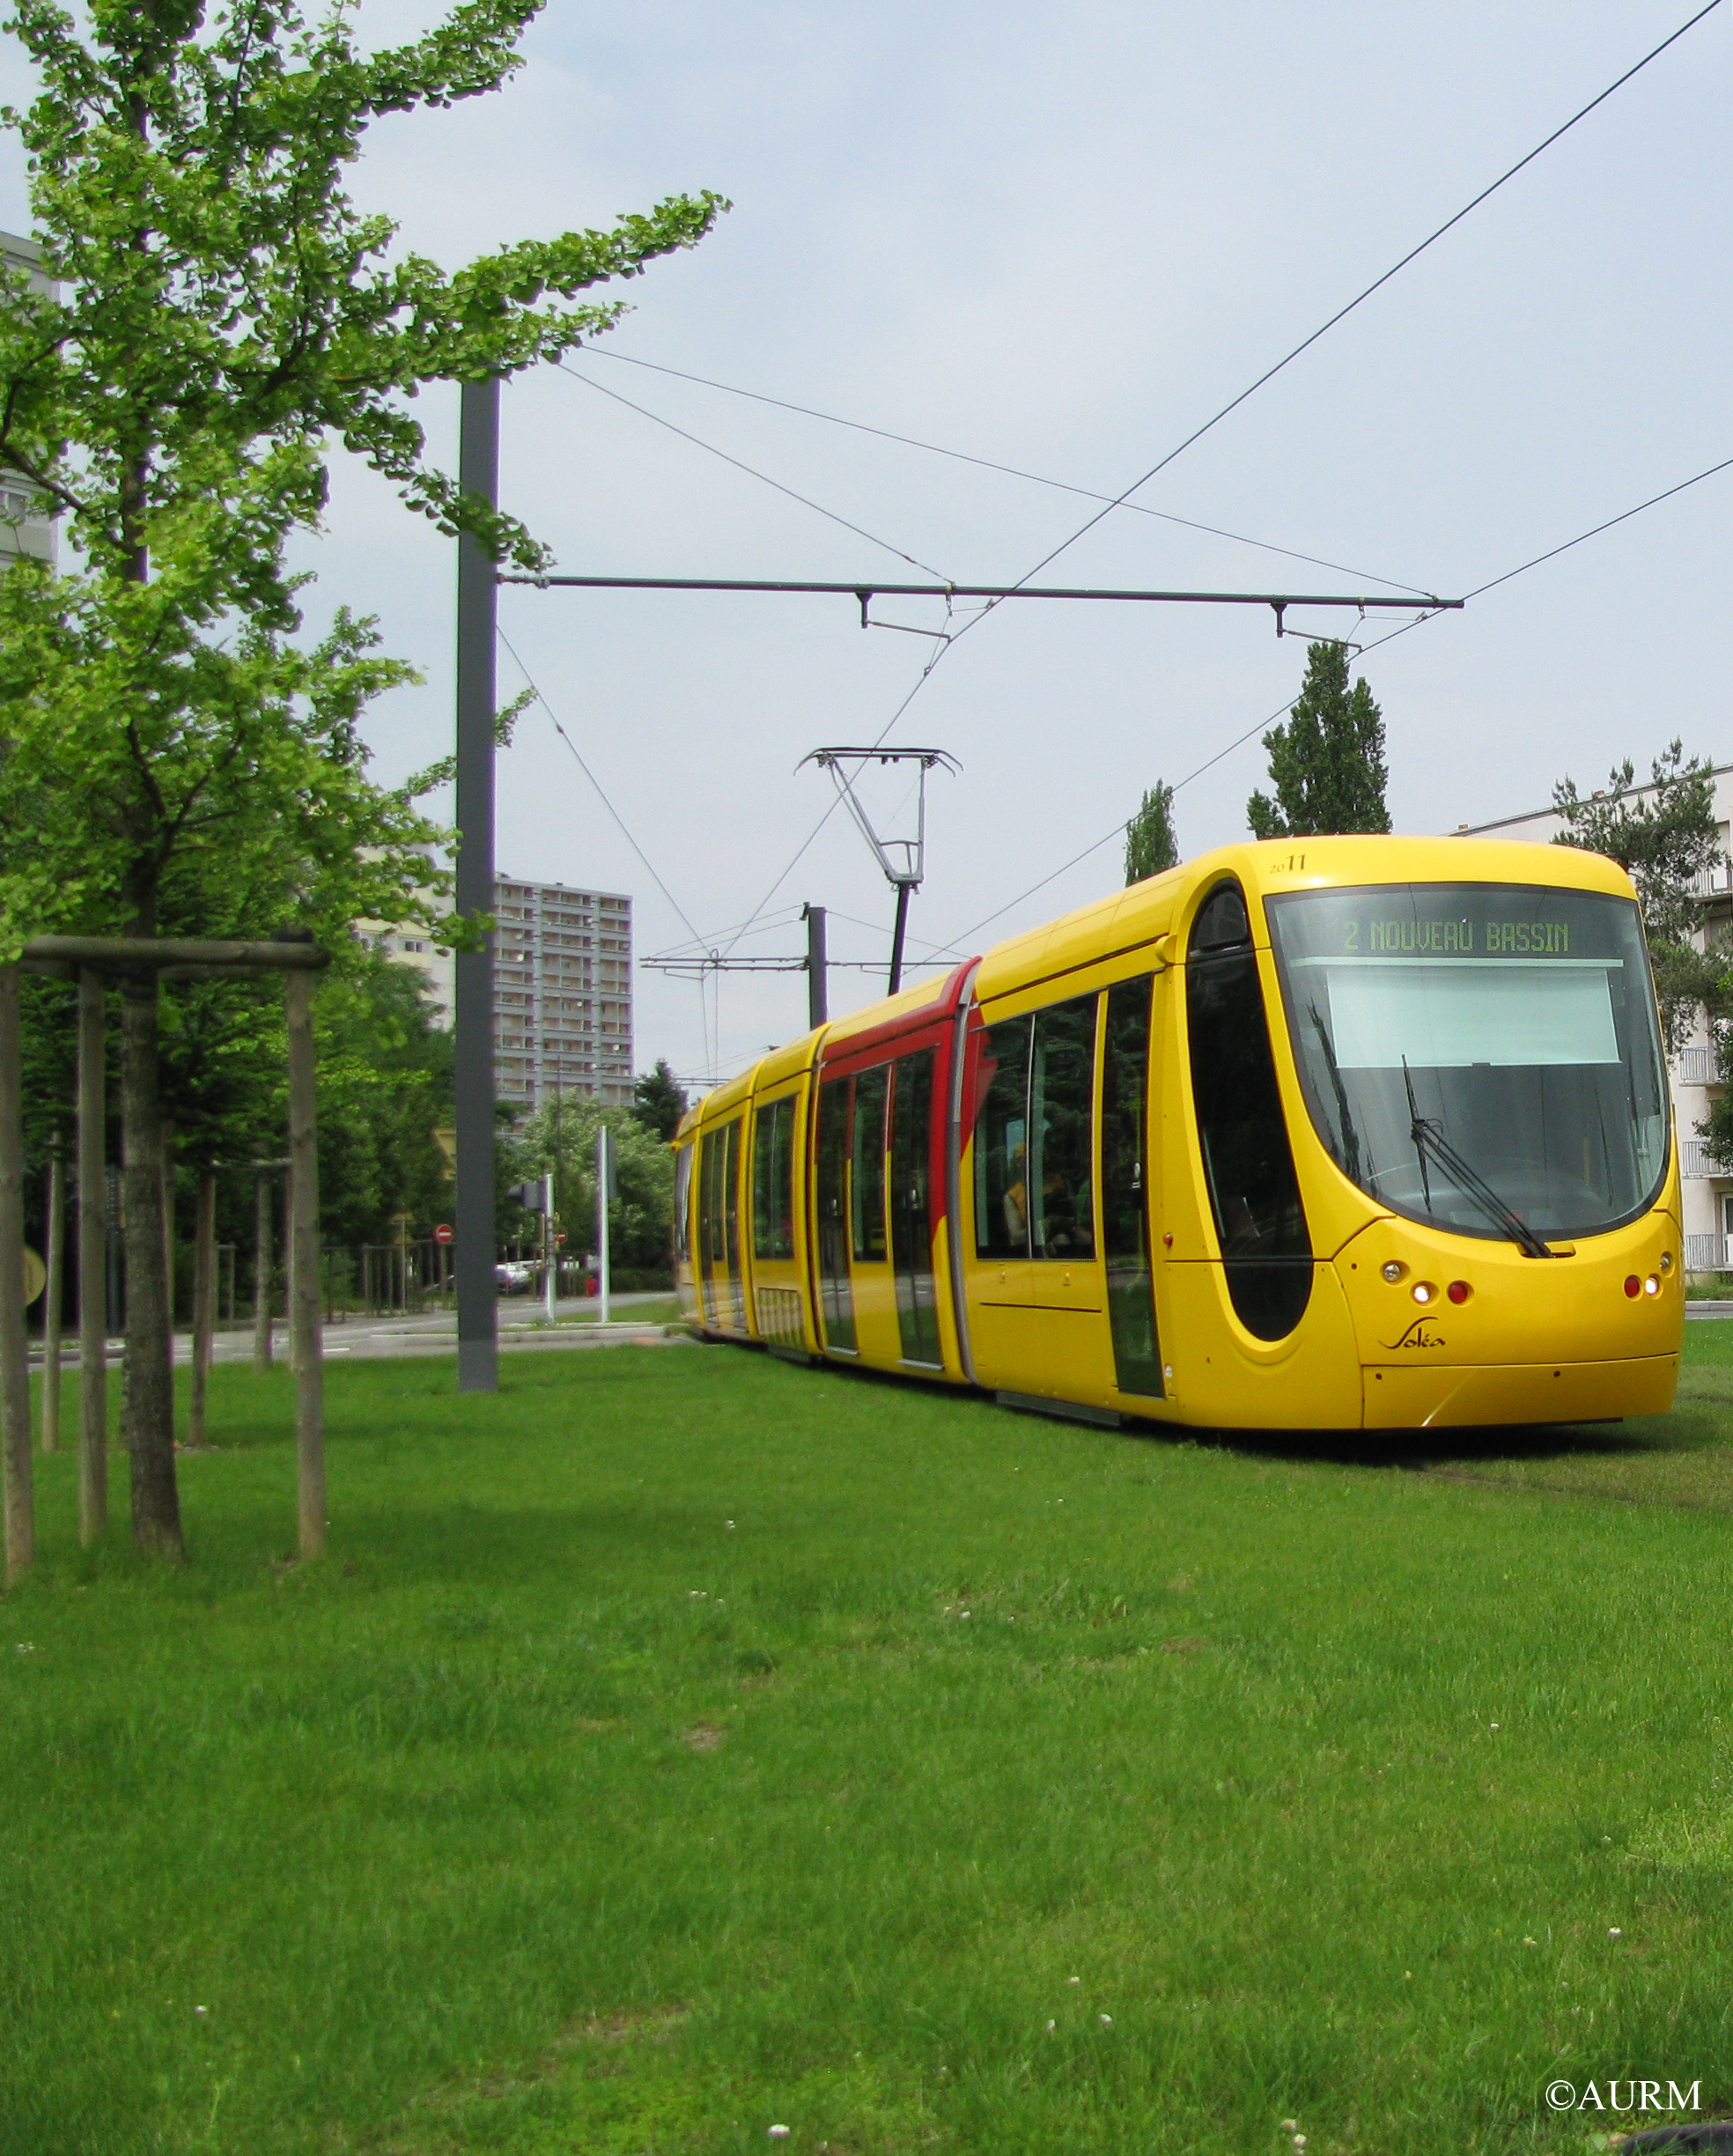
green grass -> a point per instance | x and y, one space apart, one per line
557 1815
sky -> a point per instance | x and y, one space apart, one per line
1059 239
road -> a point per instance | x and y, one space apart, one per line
521 1326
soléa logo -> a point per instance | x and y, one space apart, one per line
1623 2096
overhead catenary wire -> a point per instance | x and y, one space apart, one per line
1377 284
705 1019
1267 376
1552 553
600 791
751 471
1239 741
1011 471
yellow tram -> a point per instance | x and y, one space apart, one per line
1327 1133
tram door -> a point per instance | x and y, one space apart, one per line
719 1228
835 1295
1125 1209
912 1208
1037 1289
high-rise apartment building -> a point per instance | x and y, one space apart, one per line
562 1018
20 532
562 993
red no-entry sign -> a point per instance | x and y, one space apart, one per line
445 1233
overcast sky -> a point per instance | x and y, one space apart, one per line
1060 238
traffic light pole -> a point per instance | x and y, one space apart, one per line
477 595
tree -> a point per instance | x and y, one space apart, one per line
659 1102
1327 761
1665 838
224 311
561 1136
1150 844
384 1087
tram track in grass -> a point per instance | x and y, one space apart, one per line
674 1746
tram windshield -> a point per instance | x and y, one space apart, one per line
1482 1056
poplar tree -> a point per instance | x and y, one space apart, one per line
658 1100
223 315
1150 844
1327 761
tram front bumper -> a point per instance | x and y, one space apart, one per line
1453 1398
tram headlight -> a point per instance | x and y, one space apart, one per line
1423 1291
1666 1261
1652 1285
1393 1270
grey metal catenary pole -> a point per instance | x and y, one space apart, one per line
818 968
477 1304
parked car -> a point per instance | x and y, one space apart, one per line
514 1276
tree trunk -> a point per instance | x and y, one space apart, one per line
205 1300
261 1272
291 1342
304 1274
147 1403
19 1469
92 1258
53 1254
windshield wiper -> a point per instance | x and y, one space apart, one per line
1429 1139
1350 1135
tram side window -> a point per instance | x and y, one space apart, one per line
1254 1193
1001 1143
773 1179
730 1181
682 1205
1062 1087
709 1198
872 1092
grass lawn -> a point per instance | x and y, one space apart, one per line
684 1744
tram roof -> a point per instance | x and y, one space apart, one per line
1145 914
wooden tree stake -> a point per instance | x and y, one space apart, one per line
53 1253
262 1255
205 1300
304 1274
93 1254
19 1493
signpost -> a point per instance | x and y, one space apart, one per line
550 1260
606 1191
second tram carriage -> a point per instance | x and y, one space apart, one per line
1350 1131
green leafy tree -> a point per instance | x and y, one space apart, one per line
384 1087
1150 844
222 313
1665 837
561 1136
1327 761
658 1100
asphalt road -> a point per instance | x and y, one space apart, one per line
521 1327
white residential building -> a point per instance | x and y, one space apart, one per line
561 989
21 533
1708 1189
562 1002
